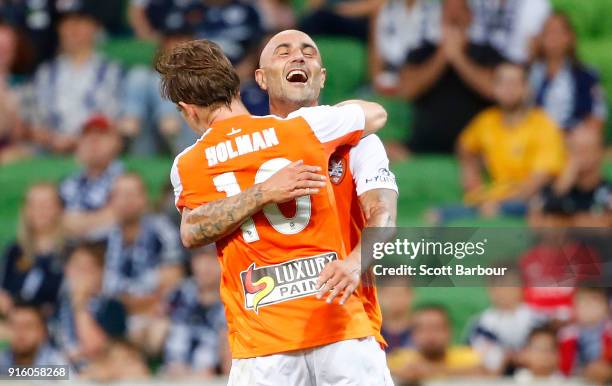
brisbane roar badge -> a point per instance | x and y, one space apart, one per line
337 170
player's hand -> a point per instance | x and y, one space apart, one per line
293 181
340 277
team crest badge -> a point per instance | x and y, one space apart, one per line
337 170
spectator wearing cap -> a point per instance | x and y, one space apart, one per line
32 264
143 261
86 320
449 74
76 84
153 123
86 193
196 346
566 88
510 26
29 344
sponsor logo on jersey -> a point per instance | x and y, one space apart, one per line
383 175
282 282
337 170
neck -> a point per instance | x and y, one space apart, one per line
208 295
130 230
589 180
283 107
512 116
397 324
554 64
96 170
235 109
80 56
24 359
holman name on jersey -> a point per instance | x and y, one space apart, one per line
240 145
281 282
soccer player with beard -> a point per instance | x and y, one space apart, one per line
271 255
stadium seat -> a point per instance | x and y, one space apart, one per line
591 18
130 51
345 60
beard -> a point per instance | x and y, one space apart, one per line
433 353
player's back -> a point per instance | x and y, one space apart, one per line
271 263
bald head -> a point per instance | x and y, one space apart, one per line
282 39
291 72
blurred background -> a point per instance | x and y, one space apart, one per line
498 117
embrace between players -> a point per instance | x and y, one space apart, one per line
287 233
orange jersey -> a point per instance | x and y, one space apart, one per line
353 171
270 265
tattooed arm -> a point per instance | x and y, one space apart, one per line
210 222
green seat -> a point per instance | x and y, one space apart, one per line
345 61
130 51
591 18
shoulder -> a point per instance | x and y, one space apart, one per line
540 116
585 74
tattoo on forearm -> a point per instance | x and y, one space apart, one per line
217 219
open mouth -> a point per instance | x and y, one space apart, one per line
297 76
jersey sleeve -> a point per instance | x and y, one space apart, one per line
334 126
370 166
177 186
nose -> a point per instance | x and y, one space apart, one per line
297 56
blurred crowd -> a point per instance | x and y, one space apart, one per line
97 277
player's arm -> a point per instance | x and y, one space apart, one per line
214 220
378 194
375 115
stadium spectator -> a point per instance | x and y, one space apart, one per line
276 15
501 331
452 75
143 261
522 149
196 347
120 362
540 358
86 321
32 264
236 26
395 298
580 196
37 19
510 26
348 18
569 91
586 346
149 17
553 268
86 193
433 355
398 27
12 128
74 85
28 344
152 122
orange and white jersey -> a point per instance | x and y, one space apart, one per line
354 171
270 264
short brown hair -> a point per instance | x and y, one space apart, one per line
198 73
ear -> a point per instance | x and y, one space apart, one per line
323 77
261 79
